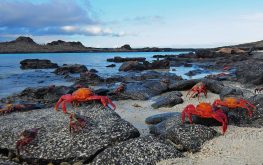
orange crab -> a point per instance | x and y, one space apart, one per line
82 95
232 102
197 89
205 110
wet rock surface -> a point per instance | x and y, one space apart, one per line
143 150
163 126
54 143
121 59
142 90
37 64
183 85
139 66
155 119
70 69
132 65
189 137
168 99
45 96
89 78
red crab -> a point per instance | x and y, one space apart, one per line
82 95
8 108
120 88
26 137
231 102
205 110
197 90
76 123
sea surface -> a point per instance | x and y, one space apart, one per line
13 79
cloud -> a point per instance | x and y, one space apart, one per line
60 17
56 13
253 17
91 30
140 20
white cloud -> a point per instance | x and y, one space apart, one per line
253 17
69 28
91 30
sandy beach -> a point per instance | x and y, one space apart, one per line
240 145
129 111
237 146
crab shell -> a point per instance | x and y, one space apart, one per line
205 110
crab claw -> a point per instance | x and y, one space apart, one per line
63 100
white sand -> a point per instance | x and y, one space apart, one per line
238 146
137 115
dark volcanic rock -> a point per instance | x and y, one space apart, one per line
150 75
66 69
111 65
54 143
250 71
6 161
168 99
89 78
93 70
194 72
135 65
213 85
183 85
163 126
161 64
37 64
155 119
118 59
143 150
205 54
132 65
189 137
142 90
47 96
231 92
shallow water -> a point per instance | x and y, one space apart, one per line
13 79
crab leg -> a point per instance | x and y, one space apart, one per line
187 111
103 99
221 117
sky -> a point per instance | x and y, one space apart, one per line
140 23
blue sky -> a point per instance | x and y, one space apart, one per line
140 23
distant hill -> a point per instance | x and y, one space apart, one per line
258 45
27 45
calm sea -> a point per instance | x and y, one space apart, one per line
13 79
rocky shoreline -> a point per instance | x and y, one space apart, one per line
109 139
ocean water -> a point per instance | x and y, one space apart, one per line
13 79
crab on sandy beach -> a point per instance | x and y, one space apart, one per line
197 89
205 110
231 102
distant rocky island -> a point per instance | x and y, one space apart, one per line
28 45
